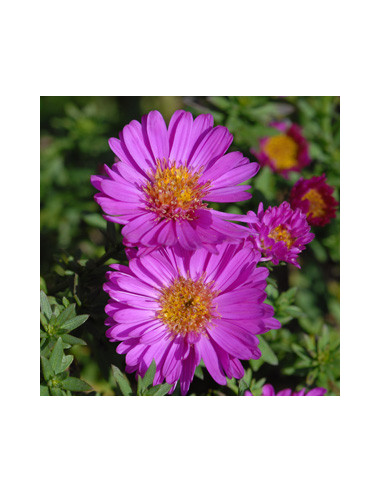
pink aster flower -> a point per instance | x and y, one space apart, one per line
314 198
279 233
178 307
268 390
159 187
285 152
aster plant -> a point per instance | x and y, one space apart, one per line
279 233
314 197
159 187
285 152
178 307
191 295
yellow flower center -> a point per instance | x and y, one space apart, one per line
316 203
283 151
186 305
281 233
174 192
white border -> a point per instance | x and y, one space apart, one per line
97 48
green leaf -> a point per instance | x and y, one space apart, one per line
44 390
45 306
75 384
44 321
158 390
220 102
66 314
74 322
255 364
57 392
230 383
121 380
198 372
148 377
57 356
287 297
95 220
267 353
139 388
272 291
300 352
242 386
293 311
72 340
66 361
47 369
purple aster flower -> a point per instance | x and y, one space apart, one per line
178 307
279 233
159 187
268 390
314 198
285 152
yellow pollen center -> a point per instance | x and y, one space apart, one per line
186 306
174 192
281 233
316 203
283 151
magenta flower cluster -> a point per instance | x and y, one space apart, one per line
193 289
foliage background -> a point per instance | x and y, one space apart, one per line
77 244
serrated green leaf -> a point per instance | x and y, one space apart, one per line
47 369
158 390
73 323
148 377
72 340
75 384
44 390
66 314
121 381
267 353
45 306
57 356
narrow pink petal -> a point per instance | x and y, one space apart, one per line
223 165
117 148
130 314
180 132
157 135
213 145
237 175
201 126
137 149
237 343
210 358
229 194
